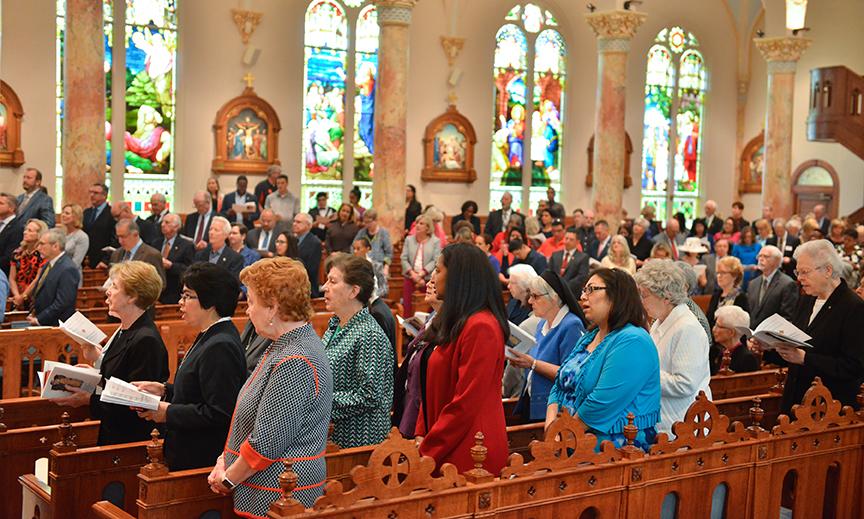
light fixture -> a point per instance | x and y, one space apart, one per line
796 12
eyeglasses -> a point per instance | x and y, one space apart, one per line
723 272
805 273
537 295
590 289
187 297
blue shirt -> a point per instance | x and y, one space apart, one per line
4 293
554 348
249 256
128 255
214 255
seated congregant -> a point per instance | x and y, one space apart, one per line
56 287
730 274
619 256
237 242
484 243
196 407
283 410
726 338
554 243
178 253
217 250
525 256
771 292
599 246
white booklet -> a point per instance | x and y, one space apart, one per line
776 331
82 330
519 339
121 392
413 324
57 377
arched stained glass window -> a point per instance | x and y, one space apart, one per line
675 86
530 56
339 38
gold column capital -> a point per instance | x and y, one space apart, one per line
782 49
395 12
617 24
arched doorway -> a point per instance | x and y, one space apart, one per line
815 182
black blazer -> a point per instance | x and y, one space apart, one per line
229 259
309 251
248 218
203 397
593 247
56 298
576 274
837 356
475 224
536 260
740 302
742 360
789 249
495 223
780 298
716 226
413 210
181 255
384 317
254 236
10 239
191 226
135 354
101 234
641 250
155 231
253 346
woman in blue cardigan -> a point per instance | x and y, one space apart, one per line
614 369
559 329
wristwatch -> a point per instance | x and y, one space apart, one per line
227 483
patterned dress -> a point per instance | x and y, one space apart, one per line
362 362
282 413
27 265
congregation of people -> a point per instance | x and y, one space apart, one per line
609 304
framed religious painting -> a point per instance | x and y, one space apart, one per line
448 149
11 114
752 165
628 150
247 135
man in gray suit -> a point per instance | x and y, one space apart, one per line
132 247
672 237
34 202
264 238
773 292
56 286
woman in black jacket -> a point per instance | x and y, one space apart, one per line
412 206
198 405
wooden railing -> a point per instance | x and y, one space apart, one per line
837 108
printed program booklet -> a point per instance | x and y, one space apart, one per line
413 324
121 392
82 330
519 339
57 377
776 332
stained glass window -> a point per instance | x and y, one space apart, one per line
331 51
530 56
675 85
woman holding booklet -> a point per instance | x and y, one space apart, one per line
134 352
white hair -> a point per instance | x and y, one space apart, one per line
537 285
56 236
732 316
221 220
823 253
306 217
663 279
773 251
522 274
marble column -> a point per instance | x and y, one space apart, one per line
84 100
391 106
782 55
614 29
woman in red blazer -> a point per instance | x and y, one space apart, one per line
460 379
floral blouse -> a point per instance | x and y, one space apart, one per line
27 265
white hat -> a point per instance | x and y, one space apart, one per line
693 245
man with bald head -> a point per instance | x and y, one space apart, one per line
772 292
198 223
672 237
123 211
264 238
177 253
713 223
499 218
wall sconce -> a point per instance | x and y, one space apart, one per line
796 12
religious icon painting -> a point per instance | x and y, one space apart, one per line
448 145
246 131
752 165
11 113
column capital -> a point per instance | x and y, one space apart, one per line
615 25
782 54
395 12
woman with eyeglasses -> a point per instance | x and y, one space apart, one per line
682 343
286 245
730 275
614 368
197 407
829 312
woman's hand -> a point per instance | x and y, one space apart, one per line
790 354
79 398
217 474
551 415
160 415
520 360
18 301
755 346
154 388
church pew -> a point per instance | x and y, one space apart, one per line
16 413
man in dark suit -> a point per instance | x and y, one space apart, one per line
309 248
146 229
571 264
264 237
217 250
158 211
524 254
322 214
268 185
499 218
11 230
198 223
773 292
583 223
56 286
599 246
671 237
133 248
787 244
822 219
241 199
34 202
99 225
713 223
738 216
176 258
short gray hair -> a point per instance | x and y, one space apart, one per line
522 274
172 219
274 168
823 253
371 213
642 222
664 280
306 217
539 285
732 316
56 236
773 251
11 200
130 225
689 274
221 220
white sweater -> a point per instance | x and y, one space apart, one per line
683 349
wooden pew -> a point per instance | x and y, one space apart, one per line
16 413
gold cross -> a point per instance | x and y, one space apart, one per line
248 78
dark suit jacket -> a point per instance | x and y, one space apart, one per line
190 228
254 236
740 301
825 226
780 298
837 356
253 345
40 207
181 255
56 298
248 218
384 317
789 249
598 254
145 253
229 259
310 254
715 227
135 354
475 224
742 361
150 232
535 259
10 239
101 233
202 398
577 267
641 250
155 230
317 231
495 223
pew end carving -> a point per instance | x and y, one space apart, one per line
817 411
155 456
725 362
756 415
286 505
703 426
479 452
67 435
395 469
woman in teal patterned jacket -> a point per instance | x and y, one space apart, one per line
361 357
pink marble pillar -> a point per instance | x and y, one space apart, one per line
782 55
84 100
388 187
614 29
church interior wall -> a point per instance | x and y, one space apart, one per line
210 72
